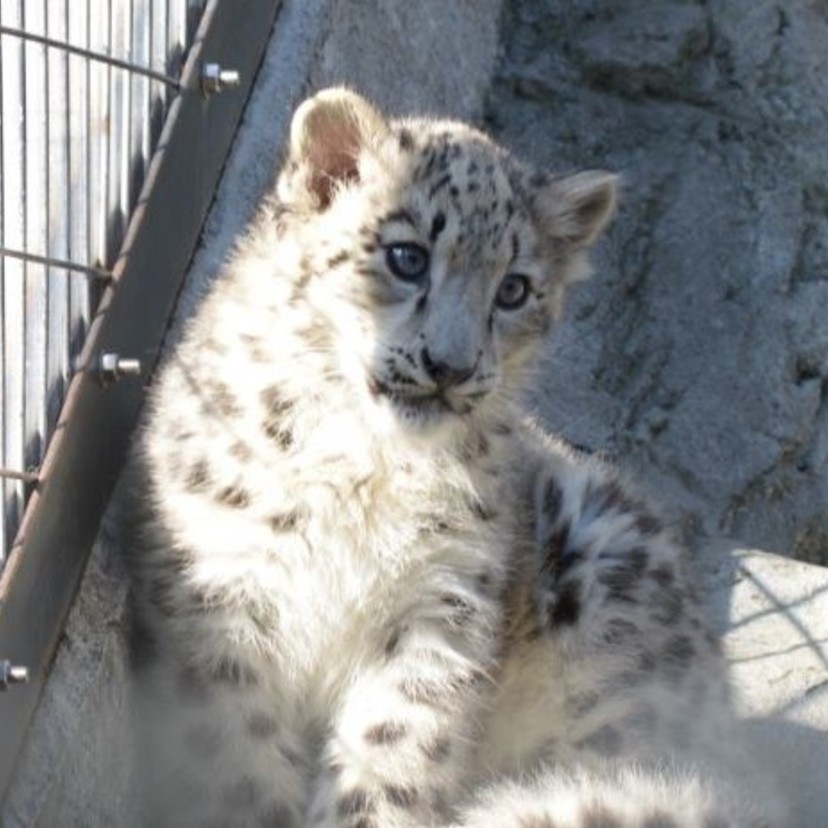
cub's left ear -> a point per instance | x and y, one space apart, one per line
576 209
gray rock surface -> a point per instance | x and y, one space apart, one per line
699 353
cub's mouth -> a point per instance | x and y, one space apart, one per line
415 402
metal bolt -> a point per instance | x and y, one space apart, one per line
216 79
112 367
12 674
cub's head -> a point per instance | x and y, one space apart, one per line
435 260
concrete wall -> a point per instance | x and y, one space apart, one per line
550 99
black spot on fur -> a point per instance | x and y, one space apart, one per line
567 608
277 432
552 500
234 496
231 671
619 630
338 258
663 575
241 451
567 561
439 184
355 802
554 551
400 796
393 642
438 750
274 400
647 525
438 224
406 140
481 510
420 691
666 605
385 733
622 579
284 521
678 652
198 477
461 610
484 581
220 398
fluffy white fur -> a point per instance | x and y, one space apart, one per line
368 591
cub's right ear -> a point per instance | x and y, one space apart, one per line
328 134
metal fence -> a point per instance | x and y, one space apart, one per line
91 268
84 87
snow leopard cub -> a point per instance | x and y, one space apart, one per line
368 591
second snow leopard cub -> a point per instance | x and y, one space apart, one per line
369 592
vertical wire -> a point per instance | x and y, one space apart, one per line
15 274
3 533
58 215
110 189
169 62
88 218
75 152
146 147
49 289
36 192
123 137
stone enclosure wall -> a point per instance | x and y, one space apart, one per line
699 353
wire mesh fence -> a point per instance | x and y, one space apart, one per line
84 87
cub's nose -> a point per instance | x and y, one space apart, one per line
443 373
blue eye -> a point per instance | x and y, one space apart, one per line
407 261
513 292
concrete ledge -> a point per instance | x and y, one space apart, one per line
774 615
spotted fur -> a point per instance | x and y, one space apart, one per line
368 591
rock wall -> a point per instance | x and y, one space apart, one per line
699 352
